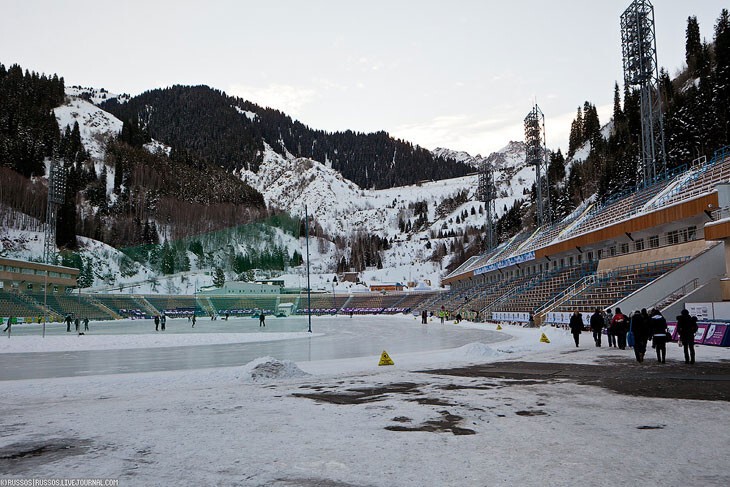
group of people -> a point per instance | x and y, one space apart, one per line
77 323
636 330
160 320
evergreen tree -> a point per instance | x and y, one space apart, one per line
693 44
219 278
722 77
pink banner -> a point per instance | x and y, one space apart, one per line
716 334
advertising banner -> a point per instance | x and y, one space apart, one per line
717 334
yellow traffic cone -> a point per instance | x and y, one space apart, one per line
544 339
499 327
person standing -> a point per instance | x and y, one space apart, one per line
442 314
620 327
193 319
642 332
687 327
76 323
659 331
262 319
86 323
424 317
597 325
610 330
163 320
576 326
157 322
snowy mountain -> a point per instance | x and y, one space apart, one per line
415 219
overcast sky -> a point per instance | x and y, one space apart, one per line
456 74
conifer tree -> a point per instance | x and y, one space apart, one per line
693 44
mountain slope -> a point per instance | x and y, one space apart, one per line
230 132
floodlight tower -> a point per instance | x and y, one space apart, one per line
56 194
487 192
536 149
638 43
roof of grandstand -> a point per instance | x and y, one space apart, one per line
680 186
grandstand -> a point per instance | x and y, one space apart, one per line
626 247
65 304
13 304
374 303
605 251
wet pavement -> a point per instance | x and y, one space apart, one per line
677 380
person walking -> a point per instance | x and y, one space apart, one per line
642 332
68 323
687 327
9 326
659 338
76 323
193 319
157 322
620 326
597 324
163 320
86 323
442 314
262 319
576 326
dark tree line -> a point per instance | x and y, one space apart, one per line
28 128
209 124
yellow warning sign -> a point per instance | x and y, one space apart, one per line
385 359
499 327
544 339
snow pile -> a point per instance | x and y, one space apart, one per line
266 368
475 352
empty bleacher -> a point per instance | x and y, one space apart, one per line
536 292
322 303
371 303
610 287
79 306
174 306
13 305
244 304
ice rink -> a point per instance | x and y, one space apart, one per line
127 346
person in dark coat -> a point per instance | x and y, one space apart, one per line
163 321
76 323
68 323
610 329
576 326
157 322
620 326
597 325
86 324
659 332
642 332
262 319
424 317
687 327
193 319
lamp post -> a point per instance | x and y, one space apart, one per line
309 289
45 302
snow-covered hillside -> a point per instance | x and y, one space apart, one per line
339 206
95 125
